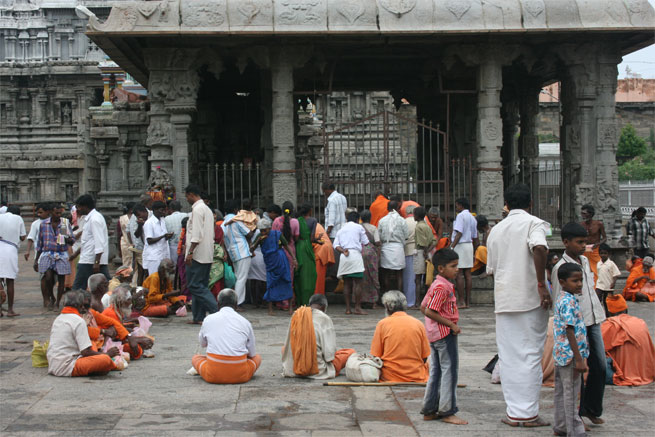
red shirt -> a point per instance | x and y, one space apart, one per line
440 298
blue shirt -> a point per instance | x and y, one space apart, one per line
236 243
567 313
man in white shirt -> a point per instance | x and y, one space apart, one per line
94 250
199 254
174 224
409 278
70 352
12 232
335 210
135 228
516 258
156 237
330 361
230 342
393 234
465 241
43 211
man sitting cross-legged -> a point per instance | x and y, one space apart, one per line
161 300
310 348
71 352
120 309
230 343
401 342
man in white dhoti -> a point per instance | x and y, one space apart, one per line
348 242
393 234
156 237
516 258
12 232
465 241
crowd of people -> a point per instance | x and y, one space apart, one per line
396 254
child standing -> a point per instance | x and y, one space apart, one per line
569 351
607 274
441 316
574 236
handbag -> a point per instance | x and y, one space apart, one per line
228 276
363 367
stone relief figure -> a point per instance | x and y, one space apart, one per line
160 185
605 198
66 112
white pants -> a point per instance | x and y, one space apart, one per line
152 265
241 269
520 338
172 249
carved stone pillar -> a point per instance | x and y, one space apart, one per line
490 140
589 132
126 151
42 105
144 153
180 120
103 160
529 140
510 153
282 129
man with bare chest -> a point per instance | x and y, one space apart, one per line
596 236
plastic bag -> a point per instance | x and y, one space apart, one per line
119 360
363 367
181 311
39 354
144 327
229 276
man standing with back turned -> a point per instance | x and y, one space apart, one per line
516 258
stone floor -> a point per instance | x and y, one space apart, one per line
156 397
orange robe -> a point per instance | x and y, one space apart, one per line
593 256
401 342
111 313
156 305
101 321
629 344
632 287
324 255
404 205
303 342
378 209
480 260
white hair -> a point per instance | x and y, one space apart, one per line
394 301
120 295
95 280
228 298
320 300
264 223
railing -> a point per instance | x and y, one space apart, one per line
546 202
233 181
633 194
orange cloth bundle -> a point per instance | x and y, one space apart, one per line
616 303
248 218
303 342
629 344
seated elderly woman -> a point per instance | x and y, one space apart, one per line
71 352
120 309
161 300
640 285
401 342
230 342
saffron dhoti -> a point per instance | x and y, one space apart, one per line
224 369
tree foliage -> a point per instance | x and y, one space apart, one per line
630 144
640 168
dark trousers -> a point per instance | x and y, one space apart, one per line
197 275
591 395
84 271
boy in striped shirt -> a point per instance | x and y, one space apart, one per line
441 316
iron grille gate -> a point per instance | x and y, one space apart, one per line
388 152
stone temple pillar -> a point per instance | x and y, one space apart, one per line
590 133
490 140
529 140
282 129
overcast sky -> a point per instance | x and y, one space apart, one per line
641 62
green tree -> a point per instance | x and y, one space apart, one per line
640 168
630 145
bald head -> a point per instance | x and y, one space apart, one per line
97 284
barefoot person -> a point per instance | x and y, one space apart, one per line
12 232
161 299
348 242
516 258
441 317
465 242
596 237
275 251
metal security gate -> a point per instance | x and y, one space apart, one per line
388 152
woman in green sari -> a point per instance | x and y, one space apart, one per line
305 277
